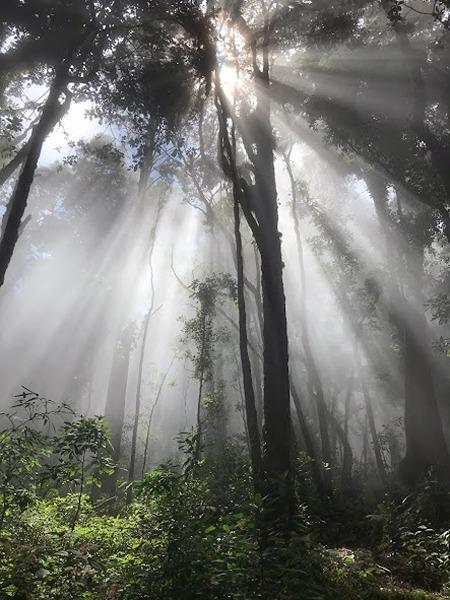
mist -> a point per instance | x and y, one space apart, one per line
225 249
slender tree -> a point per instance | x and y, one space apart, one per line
315 387
51 113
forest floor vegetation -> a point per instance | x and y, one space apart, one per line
192 528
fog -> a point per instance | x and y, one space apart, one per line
105 263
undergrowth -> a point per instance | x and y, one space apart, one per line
192 530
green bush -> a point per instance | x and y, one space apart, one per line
194 529
415 535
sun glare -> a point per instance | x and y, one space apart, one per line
229 79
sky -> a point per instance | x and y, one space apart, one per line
75 126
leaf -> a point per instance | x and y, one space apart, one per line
210 529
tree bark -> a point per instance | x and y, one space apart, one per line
308 439
373 433
259 205
198 443
15 162
18 202
425 441
249 393
277 418
315 387
115 404
347 455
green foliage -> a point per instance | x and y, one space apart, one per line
190 532
439 308
10 127
427 553
82 446
25 444
200 331
37 454
415 535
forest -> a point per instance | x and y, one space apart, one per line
225 299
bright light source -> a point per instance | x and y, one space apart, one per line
229 79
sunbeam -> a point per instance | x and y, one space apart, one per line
224 299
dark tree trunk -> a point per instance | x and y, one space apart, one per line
9 168
277 418
373 434
11 221
242 404
258 362
251 420
249 394
316 392
115 403
201 382
347 455
333 434
15 162
308 439
277 421
394 451
259 205
262 198
425 441
315 387
365 451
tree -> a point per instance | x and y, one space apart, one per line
73 53
201 332
115 401
17 204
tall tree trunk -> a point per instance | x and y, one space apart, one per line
347 455
150 418
201 381
365 450
242 404
259 205
249 393
315 387
333 433
50 114
308 439
373 434
148 316
425 441
258 362
277 418
15 162
115 403
10 167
